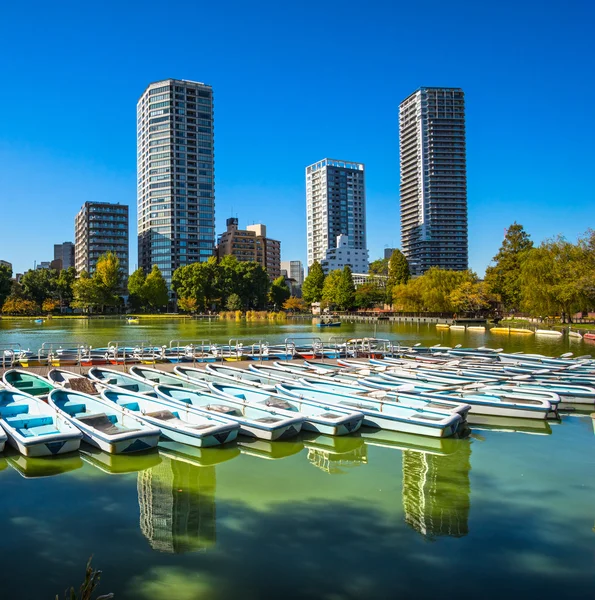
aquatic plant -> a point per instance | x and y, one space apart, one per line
91 582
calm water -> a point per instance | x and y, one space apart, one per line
509 511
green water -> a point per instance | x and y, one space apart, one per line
507 512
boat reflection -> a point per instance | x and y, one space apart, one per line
408 441
436 491
3 463
117 464
270 450
199 457
45 466
509 424
334 455
177 505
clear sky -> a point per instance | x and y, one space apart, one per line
294 83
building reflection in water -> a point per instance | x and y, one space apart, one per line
336 454
436 491
177 506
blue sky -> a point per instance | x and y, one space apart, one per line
295 83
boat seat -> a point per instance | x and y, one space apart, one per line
13 409
103 423
72 409
131 387
330 415
163 415
222 408
277 403
130 405
19 422
268 420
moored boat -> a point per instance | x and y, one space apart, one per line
120 381
154 377
381 415
34 428
177 423
103 424
27 382
317 417
265 423
236 375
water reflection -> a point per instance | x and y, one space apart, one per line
334 455
176 499
436 491
270 450
116 464
509 424
3 463
46 466
408 441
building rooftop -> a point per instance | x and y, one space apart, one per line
333 162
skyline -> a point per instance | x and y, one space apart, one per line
528 119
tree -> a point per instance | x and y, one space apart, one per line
379 267
19 306
253 284
200 281
234 302
39 284
86 295
472 298
553 278
64 283
188 304
346 290
136 281
504 278
154 290
294 304
398 273
50 305
313 284
279 292
5 283
108 279
369 295
331 286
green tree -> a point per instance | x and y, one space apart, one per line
86 294
199 281
154 290
346 290
472 297
39 284
253 285
554 278
136 281
312 288
279 292
108 279
234 302
379 267
5 282
331 286
398 273
369 295
504 277
64 283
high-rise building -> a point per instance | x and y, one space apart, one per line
388 252
342 255
335 205
251 244
433 179
294 270
176 175
65 254
100 227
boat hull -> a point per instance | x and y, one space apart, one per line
49 447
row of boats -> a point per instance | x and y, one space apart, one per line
553 333
426 392
205 352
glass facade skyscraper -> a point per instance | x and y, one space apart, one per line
176 175
433 179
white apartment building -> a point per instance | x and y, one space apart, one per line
344 254
335 206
